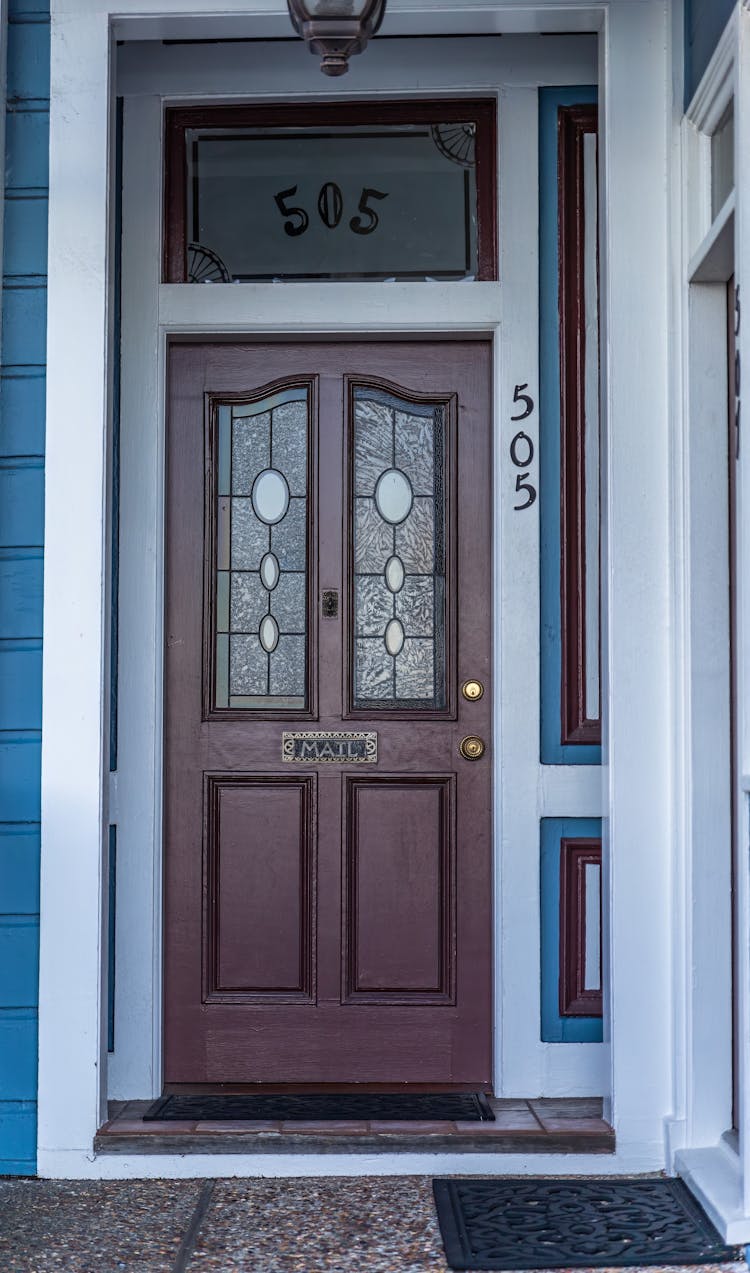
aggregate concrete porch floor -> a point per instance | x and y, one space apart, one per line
363 1225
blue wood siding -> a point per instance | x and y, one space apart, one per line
22 389
704 22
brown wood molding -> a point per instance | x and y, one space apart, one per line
574 122
379 940
575 999
481 111
229 909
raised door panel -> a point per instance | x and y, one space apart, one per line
260 877
400 890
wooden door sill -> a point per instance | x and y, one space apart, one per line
573 1126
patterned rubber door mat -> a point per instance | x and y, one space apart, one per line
546 1224
325 1107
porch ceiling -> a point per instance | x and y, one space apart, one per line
268 19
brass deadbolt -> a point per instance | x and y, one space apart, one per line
471 747
472 690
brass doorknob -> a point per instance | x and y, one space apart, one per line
472 690
471 747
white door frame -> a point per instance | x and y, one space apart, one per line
523 1064
635 590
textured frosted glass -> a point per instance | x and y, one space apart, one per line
248 602
373 605
374 671
415 605
248 536
288 666
288 603
398 533
414 451
290 444
373 538
415 538
261 553
373 445
415 670
373 200
251 451
289 538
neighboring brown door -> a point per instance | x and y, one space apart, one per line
328 920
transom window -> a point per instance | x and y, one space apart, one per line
394 191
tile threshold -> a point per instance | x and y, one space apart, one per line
572 1126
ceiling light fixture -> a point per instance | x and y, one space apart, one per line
336 29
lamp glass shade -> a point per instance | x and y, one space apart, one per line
336 8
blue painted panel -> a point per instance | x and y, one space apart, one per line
17 1138
25 249
557 1029
19 961
24 323
552 750
20 686
21 586
19 868
20 778
27 149
22 408
21 502
705 21
28 60
28 10
18 1054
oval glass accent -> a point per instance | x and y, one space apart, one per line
394 637
270 496
269 634
394 574
269 571
393 496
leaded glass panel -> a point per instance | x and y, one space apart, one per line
260 599
398 535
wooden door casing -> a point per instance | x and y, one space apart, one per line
327 923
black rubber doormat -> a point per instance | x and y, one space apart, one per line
400 1107
546 1224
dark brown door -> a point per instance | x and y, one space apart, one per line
328 898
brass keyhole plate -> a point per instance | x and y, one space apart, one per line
471 747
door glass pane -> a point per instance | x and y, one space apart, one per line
722 161
260 599
398 537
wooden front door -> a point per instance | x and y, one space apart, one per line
328 898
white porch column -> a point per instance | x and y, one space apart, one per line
742 279
70 997
636 573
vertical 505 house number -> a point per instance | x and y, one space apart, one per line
522 450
